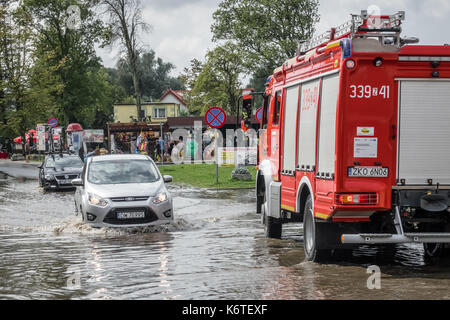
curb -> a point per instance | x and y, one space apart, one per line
20 163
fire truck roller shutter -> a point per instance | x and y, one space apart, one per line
327 125
290 128
308 125
424 132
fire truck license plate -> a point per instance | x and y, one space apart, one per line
368 172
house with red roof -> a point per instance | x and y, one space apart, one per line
175 97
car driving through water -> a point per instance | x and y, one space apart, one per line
123 191
58 170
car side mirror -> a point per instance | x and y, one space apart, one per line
168 179
77 183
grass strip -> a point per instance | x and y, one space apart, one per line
204 176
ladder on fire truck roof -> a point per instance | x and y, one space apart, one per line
386 28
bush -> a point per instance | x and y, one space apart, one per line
241 174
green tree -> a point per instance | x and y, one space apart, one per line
268 32
154 80
125 22
191 73
217 84
15 62
189 77
73 83
69 51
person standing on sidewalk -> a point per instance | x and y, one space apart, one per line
27 148
161 144
133 145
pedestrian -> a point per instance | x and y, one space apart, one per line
143 144
138 142
31 140
94 153
133 145
27 149
81 151
170 149
22 143
160 145
181 148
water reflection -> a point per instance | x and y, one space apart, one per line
215 250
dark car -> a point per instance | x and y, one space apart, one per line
58 170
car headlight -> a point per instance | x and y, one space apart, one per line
160 198
97 201
49 177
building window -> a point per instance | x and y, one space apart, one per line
159 113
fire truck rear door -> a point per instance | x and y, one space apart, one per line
424 131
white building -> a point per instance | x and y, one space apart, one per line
176 97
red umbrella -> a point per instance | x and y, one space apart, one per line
18 140
74 127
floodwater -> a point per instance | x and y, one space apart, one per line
215 250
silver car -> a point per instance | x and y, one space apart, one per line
123 191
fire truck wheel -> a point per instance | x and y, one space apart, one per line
259 203
273 227
311 233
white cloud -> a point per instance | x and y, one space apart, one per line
180 31
428 20
181 28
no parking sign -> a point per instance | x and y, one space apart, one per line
259 115
215 117
53 122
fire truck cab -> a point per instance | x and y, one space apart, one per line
356 140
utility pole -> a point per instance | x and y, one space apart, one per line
162 137
3 33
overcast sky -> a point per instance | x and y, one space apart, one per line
181 28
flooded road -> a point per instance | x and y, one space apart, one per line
215 250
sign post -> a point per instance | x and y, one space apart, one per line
40 129
216 152
216 118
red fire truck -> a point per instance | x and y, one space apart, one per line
356 140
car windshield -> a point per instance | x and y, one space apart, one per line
64 162
122 172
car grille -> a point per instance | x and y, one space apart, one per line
111 217
69 177
129 199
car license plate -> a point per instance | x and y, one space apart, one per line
368 172
131 215
65 182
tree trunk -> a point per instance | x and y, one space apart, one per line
137 90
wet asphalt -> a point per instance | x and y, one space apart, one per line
215 249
